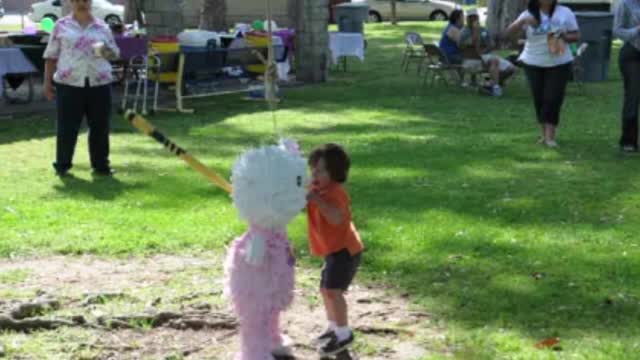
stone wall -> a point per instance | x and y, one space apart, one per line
312 55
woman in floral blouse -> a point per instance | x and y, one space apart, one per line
78 76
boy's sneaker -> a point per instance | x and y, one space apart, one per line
335 346
497 91
326 336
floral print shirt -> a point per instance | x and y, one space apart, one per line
72 46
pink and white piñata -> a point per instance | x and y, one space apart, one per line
269 190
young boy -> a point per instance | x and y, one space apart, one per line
333 236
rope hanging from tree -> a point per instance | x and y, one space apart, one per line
271 70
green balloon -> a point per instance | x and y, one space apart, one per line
47 25
258 25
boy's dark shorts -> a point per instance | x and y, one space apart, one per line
339 270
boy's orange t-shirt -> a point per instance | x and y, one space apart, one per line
326 238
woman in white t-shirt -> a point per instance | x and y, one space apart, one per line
548 27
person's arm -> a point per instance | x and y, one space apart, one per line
465 38
571 33
51 55
517 27
454 34
621 29
333 214
50 67
571 37
110 51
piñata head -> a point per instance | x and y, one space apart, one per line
269 184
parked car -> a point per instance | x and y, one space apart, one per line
591 5
438 10
103 9
1 10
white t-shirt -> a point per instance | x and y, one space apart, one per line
536 49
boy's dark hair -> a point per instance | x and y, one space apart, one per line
336 160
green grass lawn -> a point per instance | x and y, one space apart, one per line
456 203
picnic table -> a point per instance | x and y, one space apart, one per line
14 68
343 44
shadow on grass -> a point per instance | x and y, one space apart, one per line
163 190
104 188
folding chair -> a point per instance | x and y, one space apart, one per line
137 66
438 66
141 68
413 52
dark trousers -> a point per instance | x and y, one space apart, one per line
74 104
630 67
548 86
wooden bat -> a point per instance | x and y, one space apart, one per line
143 125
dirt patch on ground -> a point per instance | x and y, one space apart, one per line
171 307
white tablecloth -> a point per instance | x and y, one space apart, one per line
346 44
13 61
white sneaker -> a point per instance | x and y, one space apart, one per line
551 143
285 349
497 91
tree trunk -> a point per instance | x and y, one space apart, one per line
502 13
292 13
394 13
133 12
163 17
213 15
312 41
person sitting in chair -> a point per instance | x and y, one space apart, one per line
476 37
451 37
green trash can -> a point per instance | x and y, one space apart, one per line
351 17
596 29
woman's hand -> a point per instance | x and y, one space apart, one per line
108 53
100 49
570 36
49 91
